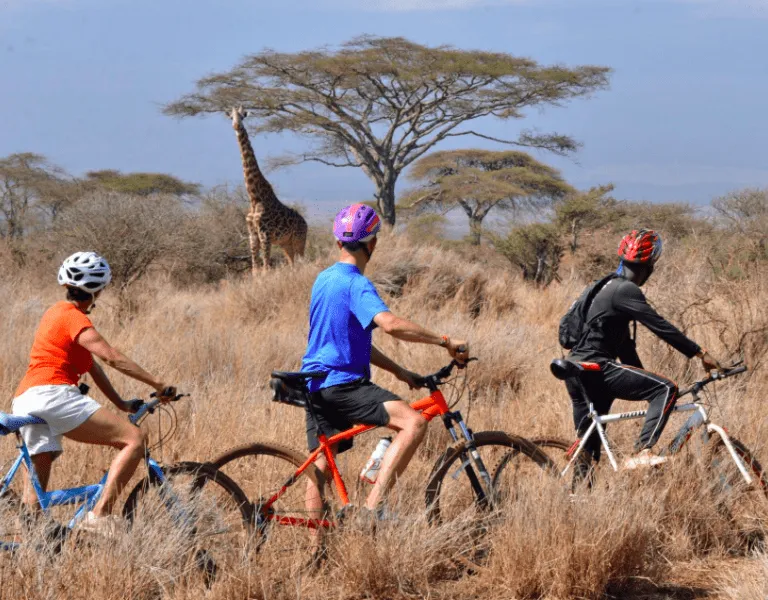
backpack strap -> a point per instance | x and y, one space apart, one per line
588 303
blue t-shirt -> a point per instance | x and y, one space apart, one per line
341 314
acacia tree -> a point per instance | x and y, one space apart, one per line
141 184
583 209
29 183
381 103
479 181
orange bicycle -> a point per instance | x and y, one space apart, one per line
268 472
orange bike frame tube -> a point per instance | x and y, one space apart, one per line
430 407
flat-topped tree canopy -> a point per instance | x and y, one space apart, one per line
142 184
380 103
479 181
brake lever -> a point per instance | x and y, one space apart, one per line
465 363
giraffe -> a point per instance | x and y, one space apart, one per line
269 220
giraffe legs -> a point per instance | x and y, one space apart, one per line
266 247
255 244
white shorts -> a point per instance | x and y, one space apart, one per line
62 407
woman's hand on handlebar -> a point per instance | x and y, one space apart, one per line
165 393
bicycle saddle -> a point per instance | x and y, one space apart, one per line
566 369
298 377
290 388
11 423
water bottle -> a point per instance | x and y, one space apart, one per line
371 469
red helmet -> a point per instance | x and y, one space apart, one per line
640 246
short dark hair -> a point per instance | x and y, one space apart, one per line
78 295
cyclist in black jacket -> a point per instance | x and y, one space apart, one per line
607 338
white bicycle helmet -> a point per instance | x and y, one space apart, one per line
85 271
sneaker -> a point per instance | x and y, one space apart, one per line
107 525
644 459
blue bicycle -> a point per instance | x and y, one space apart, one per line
211 509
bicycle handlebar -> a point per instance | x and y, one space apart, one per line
141 408
714 376
436 379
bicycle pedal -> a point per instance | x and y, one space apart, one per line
345 512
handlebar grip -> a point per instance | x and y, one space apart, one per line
136 404
736 371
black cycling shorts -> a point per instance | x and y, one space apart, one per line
339 407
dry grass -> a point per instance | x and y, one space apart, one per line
219 343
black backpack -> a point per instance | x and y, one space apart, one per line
573 322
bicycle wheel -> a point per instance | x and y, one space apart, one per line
745 505
262 470
450 495
198 508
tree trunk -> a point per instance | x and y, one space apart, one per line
385 198
475 229
575 234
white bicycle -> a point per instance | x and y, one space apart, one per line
739 483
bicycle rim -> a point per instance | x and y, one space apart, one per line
197 509
744 505
262 470
450 491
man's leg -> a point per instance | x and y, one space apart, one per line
629 383
411 428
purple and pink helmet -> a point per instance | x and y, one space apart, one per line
356 223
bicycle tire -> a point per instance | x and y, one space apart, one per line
745 505
219 527
263 468
504 445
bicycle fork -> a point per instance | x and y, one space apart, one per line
483 490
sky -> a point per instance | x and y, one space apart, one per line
684 119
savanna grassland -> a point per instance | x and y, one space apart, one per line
634 536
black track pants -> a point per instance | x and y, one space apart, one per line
627 383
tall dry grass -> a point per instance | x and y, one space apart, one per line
220 342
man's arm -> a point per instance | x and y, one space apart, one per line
631 301
381 360
405 330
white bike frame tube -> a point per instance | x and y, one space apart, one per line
736 458
637 414
580 447
604 441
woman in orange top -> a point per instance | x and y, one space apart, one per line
61 353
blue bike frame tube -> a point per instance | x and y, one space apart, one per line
41 495
11 474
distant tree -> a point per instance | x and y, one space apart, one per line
583 210
29 184
141 184
426 228
134 233
746 211
536 249
381 103
478 181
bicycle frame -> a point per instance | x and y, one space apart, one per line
88 495
695 421
430 407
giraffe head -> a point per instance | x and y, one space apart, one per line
237 115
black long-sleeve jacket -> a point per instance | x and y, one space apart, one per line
619 302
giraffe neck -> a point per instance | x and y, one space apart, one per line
258 188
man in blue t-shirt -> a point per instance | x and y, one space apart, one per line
344 310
